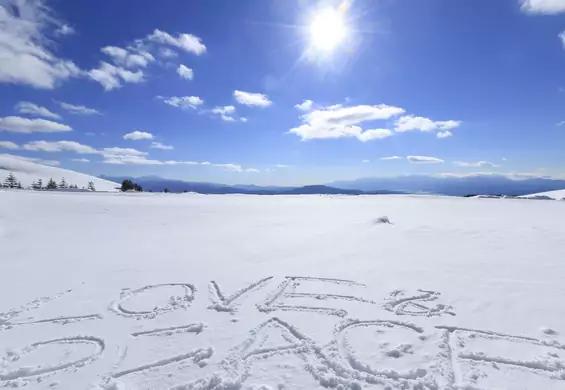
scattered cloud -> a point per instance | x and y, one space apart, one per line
165 52
560 123
548 7
17 124
366 161
187 42
185 72
283 166
337 121
78 110
35 110
81 160
183 102
424 160
226 113
8 145
112 77
65 30
251 99
391 158
127 58
137 135
24 50
59 146
411 122
481 164
306 105
159 145
444 134
369 135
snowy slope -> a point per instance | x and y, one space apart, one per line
156 291
559 194
27 171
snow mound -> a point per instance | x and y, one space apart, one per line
26 172
559 194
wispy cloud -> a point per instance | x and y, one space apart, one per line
444 134
306 105
113 77
8 145
185 72
183 102
127 57
187 42
391 158
424 160
78 110
478 164
17 124
159 145
548 7
137 135
35 110
411 122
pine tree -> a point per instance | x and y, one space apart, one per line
19 185
39 184
52 184
63 183
91 186
11 181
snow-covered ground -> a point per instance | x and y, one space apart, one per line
559 194
26 172
157 291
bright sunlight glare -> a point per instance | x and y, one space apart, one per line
327 29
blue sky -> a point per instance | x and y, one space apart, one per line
285 91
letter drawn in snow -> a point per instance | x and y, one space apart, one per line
221 302
286 292
400 303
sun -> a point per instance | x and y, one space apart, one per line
327 29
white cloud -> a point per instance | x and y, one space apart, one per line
124 57
35 110
60 146
444 134
337 121
17 124
411 122
78 110
64 30
391 158
185 72
560 123
159 145
24 52
226 113
183 102
137 135
187 42
283 166
543 6
306 105
251 99
165 52
8 145
424 160
366 161
243 119
369 135
111 77
115 151
81 160
481 164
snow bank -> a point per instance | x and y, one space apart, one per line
27 171
107 291
559 194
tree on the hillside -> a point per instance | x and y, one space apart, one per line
91 186
127 185
51 185
137 187
39 184
19 185
166 190
63 183
10 181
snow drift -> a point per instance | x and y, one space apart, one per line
28 171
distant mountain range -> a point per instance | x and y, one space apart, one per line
454 186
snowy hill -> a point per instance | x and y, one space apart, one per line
559 194
206 292
27 171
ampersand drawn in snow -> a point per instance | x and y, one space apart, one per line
402 304
286 291
175 296
478 355
225 303
15 366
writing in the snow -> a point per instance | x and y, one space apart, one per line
337 363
